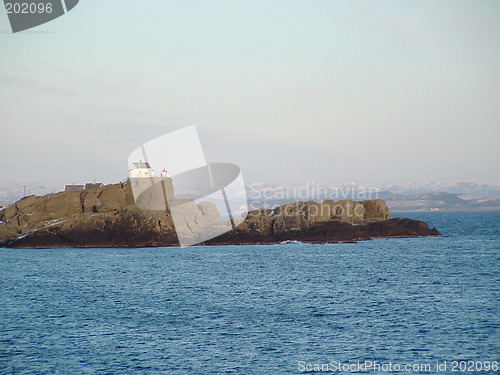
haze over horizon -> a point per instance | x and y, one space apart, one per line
291 91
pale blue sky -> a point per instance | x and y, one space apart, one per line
292 91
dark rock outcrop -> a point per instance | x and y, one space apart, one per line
108 217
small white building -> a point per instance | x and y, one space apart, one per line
164 173
140 169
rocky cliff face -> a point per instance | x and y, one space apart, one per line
108 217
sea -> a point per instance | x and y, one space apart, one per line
402 305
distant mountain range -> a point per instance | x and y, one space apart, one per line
418 195
440 201
491 189
12 191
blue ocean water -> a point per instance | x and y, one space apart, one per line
272 309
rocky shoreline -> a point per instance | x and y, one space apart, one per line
108 217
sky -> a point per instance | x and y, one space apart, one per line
291 91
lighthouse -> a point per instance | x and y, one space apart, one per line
164 173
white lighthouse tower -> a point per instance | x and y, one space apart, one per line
164 173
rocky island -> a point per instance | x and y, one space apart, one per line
109 217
